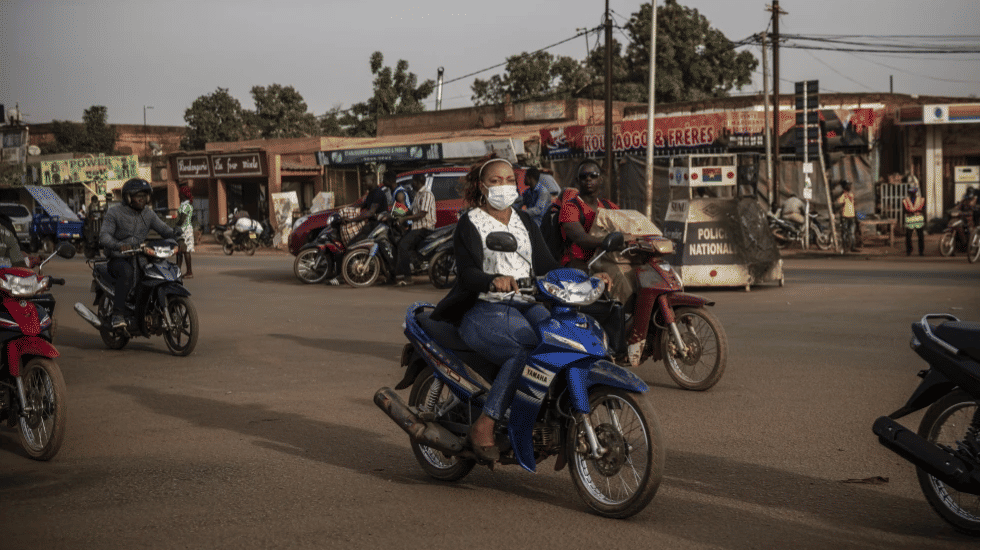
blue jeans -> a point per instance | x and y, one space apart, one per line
505 334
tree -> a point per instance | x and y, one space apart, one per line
93 135
395 92
694 60
535 76
214 117
280 112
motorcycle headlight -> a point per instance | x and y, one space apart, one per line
22 287
160 251
575 294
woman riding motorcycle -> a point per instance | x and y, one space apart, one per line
494 319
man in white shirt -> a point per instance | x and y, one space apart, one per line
423 220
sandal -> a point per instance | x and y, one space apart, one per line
404 282
487 455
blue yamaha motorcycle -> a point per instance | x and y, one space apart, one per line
571 401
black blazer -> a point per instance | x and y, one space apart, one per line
471 279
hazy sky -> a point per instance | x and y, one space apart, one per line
57 58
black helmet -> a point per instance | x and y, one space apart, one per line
134 186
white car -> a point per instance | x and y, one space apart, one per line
21 216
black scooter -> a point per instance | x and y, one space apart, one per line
945 448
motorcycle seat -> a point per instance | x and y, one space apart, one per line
962 335
102 271
448 337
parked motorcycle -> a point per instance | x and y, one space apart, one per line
787 232
375 256
32 388
158 305
320 259
956 236
571 402
669 323
973 247
945 448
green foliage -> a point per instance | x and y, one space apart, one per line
93 135
395 92
694 61
280 112
214 117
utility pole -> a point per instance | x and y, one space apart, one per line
145 146
776 12
766 127
649 173
608 108
439 88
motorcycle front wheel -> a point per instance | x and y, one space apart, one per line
183 333
822 239
309 267
113 339
951 419
360 269
622 481
430 394
442 269
43 429
973 246
227 248
701 365
947 244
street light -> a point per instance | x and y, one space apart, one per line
145 146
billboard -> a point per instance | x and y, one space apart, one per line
88 170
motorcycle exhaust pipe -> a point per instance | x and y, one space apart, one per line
86 313
925 455
429 434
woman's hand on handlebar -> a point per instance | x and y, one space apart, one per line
605 278
504 283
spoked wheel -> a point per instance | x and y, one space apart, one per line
442 270
625 478
310 266
430 394
360 269
183 333
821 239
701 365
973 247
42 430
113 339
952 421
947 243
250 247
227 248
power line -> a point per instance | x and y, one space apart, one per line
911 73
839 73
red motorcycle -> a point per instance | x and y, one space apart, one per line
32 389
320 259
663 321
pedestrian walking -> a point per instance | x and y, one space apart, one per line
913 208
185 228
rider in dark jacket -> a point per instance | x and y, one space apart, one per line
124 228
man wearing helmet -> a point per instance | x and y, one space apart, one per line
913 208
124 228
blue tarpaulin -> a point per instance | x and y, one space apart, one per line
52 203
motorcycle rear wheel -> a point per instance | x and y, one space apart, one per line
442 269
250 247
227 248
359 269
702 365
310 268
113 339
945 422
947 244
183 336
821 239
43 430
782 241
623 481
428 394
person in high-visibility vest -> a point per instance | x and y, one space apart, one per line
913 208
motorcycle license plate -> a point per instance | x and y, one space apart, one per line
253 236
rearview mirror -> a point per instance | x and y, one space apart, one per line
501 241
66 250
613 241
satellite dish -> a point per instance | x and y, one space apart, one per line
33 150
13 115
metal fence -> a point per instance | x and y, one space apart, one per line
891 201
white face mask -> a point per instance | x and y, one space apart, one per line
500 197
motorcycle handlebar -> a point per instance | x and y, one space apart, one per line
56 281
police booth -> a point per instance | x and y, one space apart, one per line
716 233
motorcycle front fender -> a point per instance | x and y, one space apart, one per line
27 345
683 299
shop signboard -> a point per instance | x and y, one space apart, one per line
193 167
393 153
238 164
88 170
